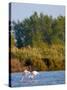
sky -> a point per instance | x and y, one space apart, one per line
20 11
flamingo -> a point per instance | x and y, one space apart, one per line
33 74
26 72
30 75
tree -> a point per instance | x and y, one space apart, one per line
12 40
58 32
38 29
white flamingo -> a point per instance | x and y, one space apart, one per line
30 75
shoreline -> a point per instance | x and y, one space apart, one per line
43 71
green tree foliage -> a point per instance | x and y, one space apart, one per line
39 29
12 41
58 29
41 39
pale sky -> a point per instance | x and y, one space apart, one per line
20 11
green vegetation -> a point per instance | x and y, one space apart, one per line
39 42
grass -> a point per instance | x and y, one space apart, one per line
42 58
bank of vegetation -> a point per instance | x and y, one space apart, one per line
38 43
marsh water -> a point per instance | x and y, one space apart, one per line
43 78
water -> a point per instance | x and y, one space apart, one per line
44 78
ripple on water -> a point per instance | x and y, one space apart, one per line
44 78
